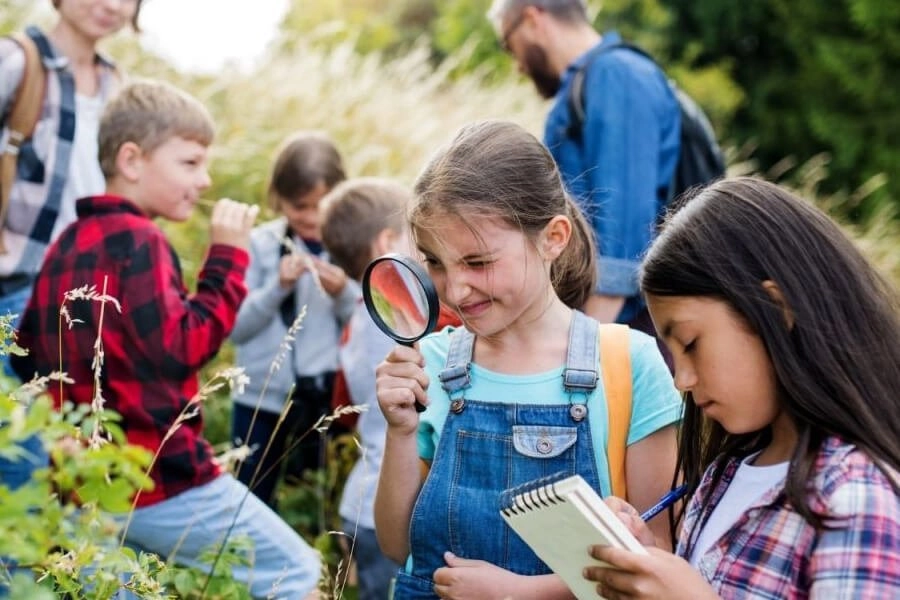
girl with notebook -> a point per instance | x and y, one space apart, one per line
785 342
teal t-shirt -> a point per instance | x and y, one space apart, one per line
655 401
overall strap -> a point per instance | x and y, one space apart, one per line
455 375
582 356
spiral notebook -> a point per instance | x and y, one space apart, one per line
559 520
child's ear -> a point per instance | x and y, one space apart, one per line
555 238
775 293
384 242
128 161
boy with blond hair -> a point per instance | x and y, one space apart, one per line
153 149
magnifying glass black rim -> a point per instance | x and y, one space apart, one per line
427 287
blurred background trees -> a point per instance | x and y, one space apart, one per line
785 80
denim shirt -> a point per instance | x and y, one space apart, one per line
621 170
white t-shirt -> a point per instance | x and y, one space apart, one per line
749 484
85 177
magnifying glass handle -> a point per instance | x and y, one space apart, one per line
419 406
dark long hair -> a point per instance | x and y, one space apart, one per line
837 366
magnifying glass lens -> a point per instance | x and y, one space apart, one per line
401 299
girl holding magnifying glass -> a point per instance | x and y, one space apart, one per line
513 256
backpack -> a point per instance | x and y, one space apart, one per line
700 159
25 110
615 365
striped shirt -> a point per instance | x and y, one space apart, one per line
153 349
42 170
772 553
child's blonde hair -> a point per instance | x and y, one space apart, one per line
305 159
354 213
149 113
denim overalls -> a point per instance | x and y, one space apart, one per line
487 447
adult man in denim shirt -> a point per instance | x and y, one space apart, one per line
621 167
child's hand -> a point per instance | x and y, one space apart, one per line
659 575
399 381
463 579
231 222
291 267
332 277
632 519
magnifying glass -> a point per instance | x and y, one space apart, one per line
401 299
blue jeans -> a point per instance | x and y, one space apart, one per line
178 529
374 570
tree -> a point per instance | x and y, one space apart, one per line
818 77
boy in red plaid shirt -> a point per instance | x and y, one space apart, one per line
153 147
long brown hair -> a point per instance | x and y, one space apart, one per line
496 168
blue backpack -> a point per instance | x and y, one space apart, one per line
700 159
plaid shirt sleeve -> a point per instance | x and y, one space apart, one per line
860 556
182 331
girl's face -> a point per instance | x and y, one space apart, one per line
96 19
719 360
302 213
488 272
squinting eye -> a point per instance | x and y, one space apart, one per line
690 346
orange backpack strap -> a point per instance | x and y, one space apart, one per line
615 363
23 117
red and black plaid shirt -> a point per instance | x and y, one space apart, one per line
153 349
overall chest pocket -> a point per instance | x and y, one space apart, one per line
538 441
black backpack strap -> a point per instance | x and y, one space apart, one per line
575 99
455 374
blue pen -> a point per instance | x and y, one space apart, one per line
665 502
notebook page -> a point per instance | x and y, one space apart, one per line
559 521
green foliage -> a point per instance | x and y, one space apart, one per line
311 505
460 27
817 79
61 526
193 584
71 545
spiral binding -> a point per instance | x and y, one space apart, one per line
531 495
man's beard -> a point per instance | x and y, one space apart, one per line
538 68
